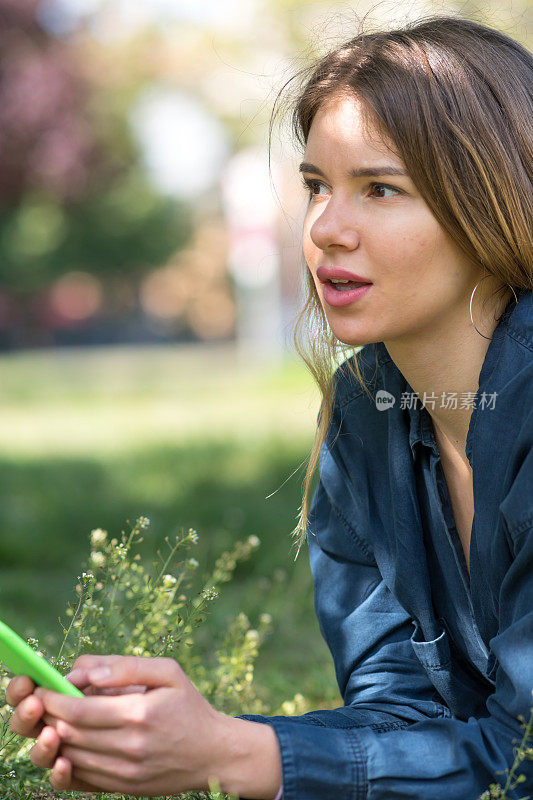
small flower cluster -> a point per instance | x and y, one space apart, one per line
225 565
121 551
193 536
234 692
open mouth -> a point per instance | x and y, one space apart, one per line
345 286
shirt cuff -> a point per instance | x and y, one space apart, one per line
315 760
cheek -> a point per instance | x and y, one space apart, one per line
417 252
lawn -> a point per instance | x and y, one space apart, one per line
189 437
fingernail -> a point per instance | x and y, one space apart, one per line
99 674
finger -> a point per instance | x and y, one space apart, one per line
62 780
90 739
88 660
44 752
128 670
79 672
89 711
91 775
82 781
18 688
115 690
78 677
80 669
26 719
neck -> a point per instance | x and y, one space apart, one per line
448 359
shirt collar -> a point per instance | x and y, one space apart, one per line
420 424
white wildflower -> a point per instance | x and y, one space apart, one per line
97 558
121 550
98 536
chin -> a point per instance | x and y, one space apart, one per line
355 339
359 342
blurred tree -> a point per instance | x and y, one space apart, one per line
72 196
45 142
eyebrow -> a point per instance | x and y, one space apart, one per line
362 172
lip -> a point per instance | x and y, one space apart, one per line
339 299
324 274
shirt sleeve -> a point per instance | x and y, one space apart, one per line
392 737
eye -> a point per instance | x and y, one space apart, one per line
376 190
380 187
313 187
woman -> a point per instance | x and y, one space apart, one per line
418 162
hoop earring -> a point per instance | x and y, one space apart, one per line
472 297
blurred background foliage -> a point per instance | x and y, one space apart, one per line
129 220
117 118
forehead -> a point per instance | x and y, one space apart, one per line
340 125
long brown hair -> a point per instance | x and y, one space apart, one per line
455 98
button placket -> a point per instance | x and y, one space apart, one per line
453 539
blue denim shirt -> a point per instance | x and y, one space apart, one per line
434 665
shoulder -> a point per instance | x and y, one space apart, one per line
502 423
520 326
513 361
507 371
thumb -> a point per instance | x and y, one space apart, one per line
137 670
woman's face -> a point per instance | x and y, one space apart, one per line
376 227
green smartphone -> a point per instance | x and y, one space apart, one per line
18 657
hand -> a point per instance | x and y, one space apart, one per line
29 709
166 740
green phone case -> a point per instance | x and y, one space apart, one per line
19 658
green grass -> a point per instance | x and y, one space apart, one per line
87 401
189 437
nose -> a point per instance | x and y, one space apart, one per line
336 226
